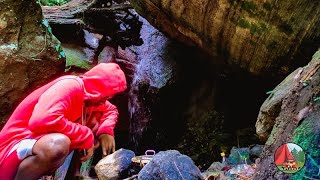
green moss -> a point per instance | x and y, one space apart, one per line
243 23
74 58
286 28
267 6
75 61
262 15
307 135
254 28
257 28
253 43
232 1
249 6
263 26
271 46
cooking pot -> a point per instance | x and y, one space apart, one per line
144 159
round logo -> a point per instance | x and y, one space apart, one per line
289 158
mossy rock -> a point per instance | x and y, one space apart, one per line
307 135
77 56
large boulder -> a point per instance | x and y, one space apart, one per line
115 165
271 33
297 121
271 107
29 54
170 165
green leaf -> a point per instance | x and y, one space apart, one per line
62 54
57 47
305 84
50 30
316 99
269 92
45 23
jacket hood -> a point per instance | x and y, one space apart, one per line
105 79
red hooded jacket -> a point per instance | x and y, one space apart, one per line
57 107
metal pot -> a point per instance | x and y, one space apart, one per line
144 159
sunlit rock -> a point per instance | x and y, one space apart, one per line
115 165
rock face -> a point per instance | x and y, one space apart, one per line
152 73
168 95
297 120
271 33
29 54
271 107
115 165
179 100
170 165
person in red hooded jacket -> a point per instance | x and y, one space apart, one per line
50 122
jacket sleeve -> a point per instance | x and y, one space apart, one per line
108 120
49 114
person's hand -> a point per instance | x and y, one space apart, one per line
107 143
89 153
